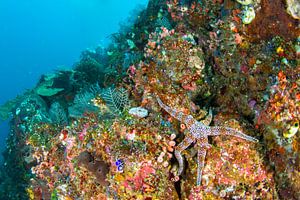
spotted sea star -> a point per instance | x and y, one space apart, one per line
198 132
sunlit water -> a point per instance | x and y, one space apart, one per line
37 37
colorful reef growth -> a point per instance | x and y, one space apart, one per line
134 120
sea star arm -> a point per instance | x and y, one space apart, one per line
202 146
188 120
181 147
221 130
200 163
208 118
174 113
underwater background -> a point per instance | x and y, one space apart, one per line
37 37
186 99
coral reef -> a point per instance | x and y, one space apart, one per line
272 20
106 129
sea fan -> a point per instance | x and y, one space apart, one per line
130 59
116 100
163 22
57 114
83 102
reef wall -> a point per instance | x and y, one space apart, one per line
207 89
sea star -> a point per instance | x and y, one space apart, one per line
198 131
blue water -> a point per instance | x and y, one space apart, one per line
37 37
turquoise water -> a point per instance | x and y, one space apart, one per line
37 37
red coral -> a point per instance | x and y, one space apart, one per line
138 180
